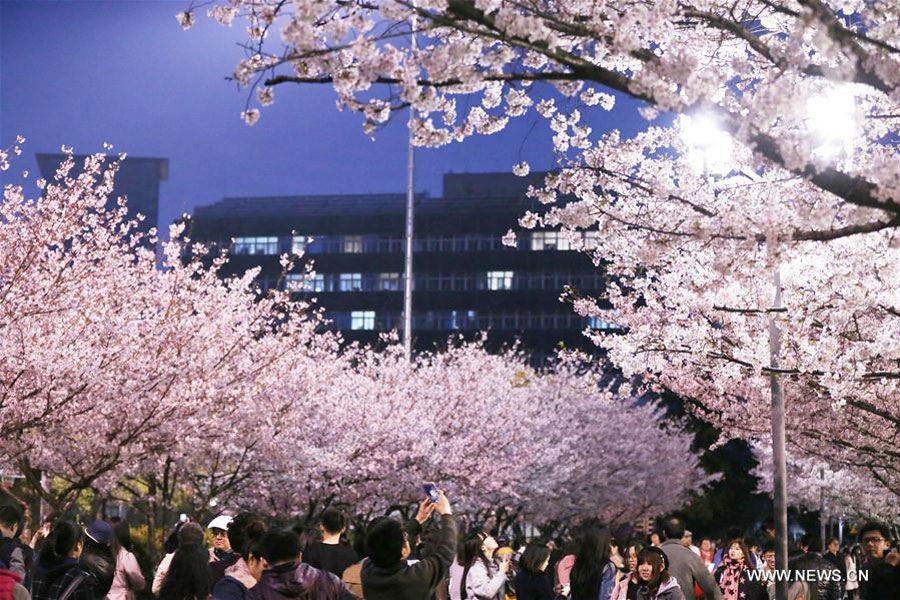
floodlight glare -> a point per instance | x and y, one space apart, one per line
710 149
832 122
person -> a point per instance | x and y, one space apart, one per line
57 570
187 576
128 578
482 578
822 587
387 576
274 561
531 581
852 557
733 575
221 549
99 555
833 556
768 568
330 554
11 587
627 586
656 581
593 575
684 565
188 534
707 552
656 539
12 552
881 563
687 540
245 530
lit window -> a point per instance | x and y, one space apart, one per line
353 244
388 282
306 283
299 244
591 239
598 323
350 282
362 320
255 245
500 280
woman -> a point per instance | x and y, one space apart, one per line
188 574
707 553
245 530
57 573
852 560
128 578
653 572
733 575
627 586
593 574
482 578
531 580
188 533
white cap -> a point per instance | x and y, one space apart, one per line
220 522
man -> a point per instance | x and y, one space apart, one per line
330 554
12 553
221 556
768 569
825 581
687 540
275 562
685 566
880 563
387 576
832 556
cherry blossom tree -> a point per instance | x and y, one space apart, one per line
769 164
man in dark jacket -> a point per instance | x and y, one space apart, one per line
12 551
825 581
282 576
880 564
685 566
386 575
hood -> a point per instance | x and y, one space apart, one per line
241 572
299 580
671 584
11 574
55 570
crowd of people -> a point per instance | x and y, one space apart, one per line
429 558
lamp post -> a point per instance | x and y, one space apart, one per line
410 213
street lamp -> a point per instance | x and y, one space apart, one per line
410 208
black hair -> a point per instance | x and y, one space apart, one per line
637 545
768 546
384 542
812 542
62 539
123 533
673 528
10 516
657 559
472 552
875 526
333 520
533 557
245 529
188 575
591 557
190 534
279 546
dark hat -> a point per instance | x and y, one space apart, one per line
101 532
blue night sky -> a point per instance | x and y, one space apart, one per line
82 73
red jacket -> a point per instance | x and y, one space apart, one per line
8 581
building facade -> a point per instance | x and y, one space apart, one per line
466 281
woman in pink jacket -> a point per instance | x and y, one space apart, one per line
128 578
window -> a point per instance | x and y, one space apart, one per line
350 282
388 282
591 239
255 245
598 323
299 243
499 280
362 320
352 244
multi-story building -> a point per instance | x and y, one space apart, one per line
138 179
465 279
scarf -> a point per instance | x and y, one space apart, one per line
731 578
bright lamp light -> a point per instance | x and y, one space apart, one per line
710 149
832 122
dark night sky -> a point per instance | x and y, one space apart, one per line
82 73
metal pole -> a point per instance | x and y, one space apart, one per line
778 452
410 207
822 506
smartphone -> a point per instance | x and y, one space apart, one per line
430 491
183 518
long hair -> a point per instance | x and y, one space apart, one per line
62 539
471 552
656 558
123 534
188 576
591 557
